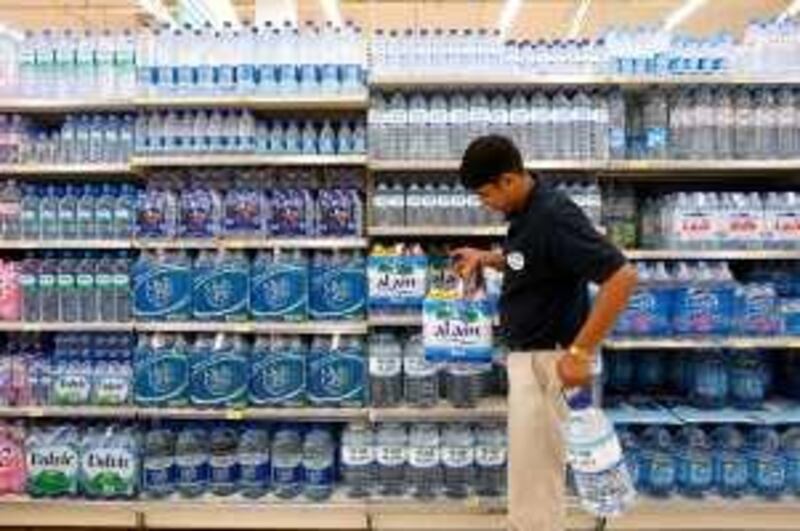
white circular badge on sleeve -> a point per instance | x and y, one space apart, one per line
515 261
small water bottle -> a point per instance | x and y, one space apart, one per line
595 455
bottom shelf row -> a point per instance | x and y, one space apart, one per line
384 515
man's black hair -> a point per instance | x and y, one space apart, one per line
486 158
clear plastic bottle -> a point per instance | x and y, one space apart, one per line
192 460
319 457
458 460
287 462
391 441
158 462
424 474
223 463
357 460
421 377
490 460
694 470
385 370
253 457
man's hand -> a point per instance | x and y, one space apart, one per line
574 370
469 261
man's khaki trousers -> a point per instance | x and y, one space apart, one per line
536 467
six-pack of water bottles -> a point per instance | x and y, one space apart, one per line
201 60
239 131
767 47
220 370
210 204
229 286
68 369
80 139
704 299
727 460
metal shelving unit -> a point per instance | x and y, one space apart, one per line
471 80
234 160
253 243
703 343
256 327
433 231
77 170
609 168
19 326
333 102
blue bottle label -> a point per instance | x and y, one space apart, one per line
278 379
218 378
220 292
336 377
161 291
337 292
192 470
253 470
280 291
160 378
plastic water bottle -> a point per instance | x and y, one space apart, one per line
424 461
458 459
465 383
385 370
730 464
391 446
490 460
158 462
766 463
223 461
657 461
85 284
694 469
253 457
595 456
192 461
319 456
710 381
420 376
31 291
790 445
287 462
357 460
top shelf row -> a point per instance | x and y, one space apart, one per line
360 101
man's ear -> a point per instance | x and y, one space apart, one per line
507 179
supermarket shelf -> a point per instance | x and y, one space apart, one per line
399 321
283 414
253 243
65 244
248 160
253 327
607 168
343 102
491 409
19 326
78 170
56 106
68 412
433 231
240 513
699 343
20 511
733 254
472 80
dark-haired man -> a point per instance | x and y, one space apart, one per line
551 253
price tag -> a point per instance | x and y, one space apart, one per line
234 414
36 412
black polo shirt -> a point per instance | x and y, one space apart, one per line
551 253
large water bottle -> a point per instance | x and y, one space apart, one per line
730 464
694 469
287 462
319 457
723 124
790 445
490 460
357 460
158 462
385 370
192 461
458 122
595 456
417 127
391 446
765 462
766 124
465 383
421 377
424 461
253 457
745 135
437 139
397 130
